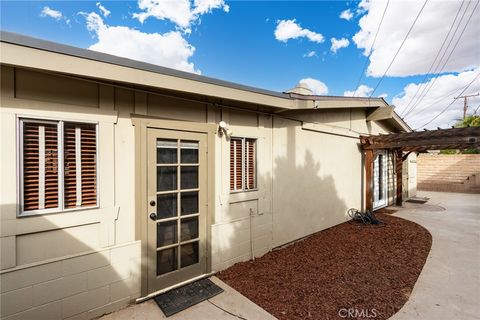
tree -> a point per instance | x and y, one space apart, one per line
470 121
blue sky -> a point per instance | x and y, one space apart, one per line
243 41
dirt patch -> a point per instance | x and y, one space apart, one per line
369 270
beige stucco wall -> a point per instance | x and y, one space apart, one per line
307 179
410 176
317 177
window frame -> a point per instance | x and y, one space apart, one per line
60 136
244 164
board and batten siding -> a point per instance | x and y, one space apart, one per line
85 261
90 238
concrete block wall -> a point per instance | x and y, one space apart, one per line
77 287
453 173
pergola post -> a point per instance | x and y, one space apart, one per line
369 180
399 174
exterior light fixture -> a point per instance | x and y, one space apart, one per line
224 129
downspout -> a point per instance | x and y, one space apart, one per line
362 187
251 234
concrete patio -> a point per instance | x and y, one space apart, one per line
449 285
229 304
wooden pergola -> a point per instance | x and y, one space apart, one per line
402 144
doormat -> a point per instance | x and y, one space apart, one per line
417 200
179 299
386 211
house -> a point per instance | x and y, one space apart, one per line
121 179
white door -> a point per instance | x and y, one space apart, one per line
380 180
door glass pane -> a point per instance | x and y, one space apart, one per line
380 177
166 178
166 233
166 260
166 205
189 254
189 177
189 151
189 228
166 151
189 202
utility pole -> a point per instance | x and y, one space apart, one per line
465 105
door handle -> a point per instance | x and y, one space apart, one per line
153 216
153 203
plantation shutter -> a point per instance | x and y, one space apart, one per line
89 164
51 166
40 165
250 163
235 164
243 164
80 171
70 173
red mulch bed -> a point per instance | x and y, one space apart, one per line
366 268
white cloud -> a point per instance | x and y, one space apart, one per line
362 91
424 41
105 12
289 29
346 14
338 44
48 12
317 86
206 6
181 12
169 49
363 6
446 87
310 54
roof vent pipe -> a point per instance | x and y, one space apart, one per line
301 88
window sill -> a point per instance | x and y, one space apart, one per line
244 195
44 212
242 191
45 222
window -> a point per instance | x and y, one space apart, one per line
58 165
243 164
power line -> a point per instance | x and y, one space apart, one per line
430 86
435 60
399 48
446 108
476 109
435 73
431 104
465 102
371 49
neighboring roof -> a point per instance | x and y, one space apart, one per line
16 49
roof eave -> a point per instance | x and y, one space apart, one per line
60 58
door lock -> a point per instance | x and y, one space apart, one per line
153 216
153 203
